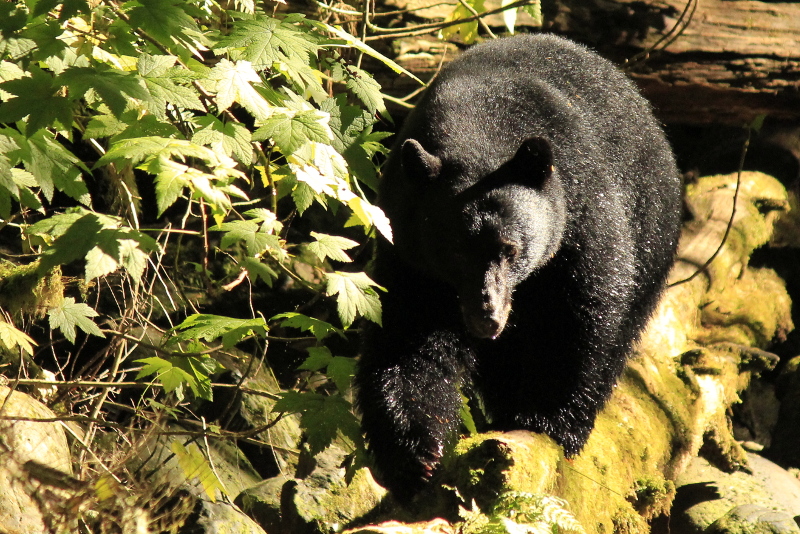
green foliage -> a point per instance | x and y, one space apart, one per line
195 466
338 368
71 315
230 125
317 328
105 242
322 417
521 513
210 327
177 372
162 157
11 338
355 296
467 30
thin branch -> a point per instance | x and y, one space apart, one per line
481 22
730 221
422 29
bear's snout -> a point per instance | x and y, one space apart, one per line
486 318
484 327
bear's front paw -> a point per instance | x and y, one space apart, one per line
406 466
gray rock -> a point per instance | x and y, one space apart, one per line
320 501
220 518
753 519
25 441
706 495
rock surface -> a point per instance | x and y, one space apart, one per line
707 496
45 443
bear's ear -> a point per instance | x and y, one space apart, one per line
417 162
534 159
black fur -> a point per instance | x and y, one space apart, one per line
531 167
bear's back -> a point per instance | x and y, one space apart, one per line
499 93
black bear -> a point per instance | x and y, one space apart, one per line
532 172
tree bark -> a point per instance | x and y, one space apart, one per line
699 62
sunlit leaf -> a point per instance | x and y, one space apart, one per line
331 246
11 338
71 315
318 328
195 466
354 296
232 82
292 132
210 327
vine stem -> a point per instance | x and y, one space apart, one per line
730 221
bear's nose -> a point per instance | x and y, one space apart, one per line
483 327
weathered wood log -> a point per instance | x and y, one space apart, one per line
714 61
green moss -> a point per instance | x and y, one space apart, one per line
26 294
653 496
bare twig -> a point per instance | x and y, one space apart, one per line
481 22
730 220
422 29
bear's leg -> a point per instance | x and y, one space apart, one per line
410 405
555 368
409 381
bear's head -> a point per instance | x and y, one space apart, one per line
485 234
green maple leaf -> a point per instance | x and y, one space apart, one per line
292 132
267 218
318 328
364 86
265 41
234 139
160 77
119 247
77 239
115 87
12 18
318 358
354 139
11 337
341 370
346 121
322 418
155 65
36 98
171 377
104 258
71 314
16 184
170 184
134 256
104 126
232 82
284 46
331 246
55 167
303 196
254 236
139 149
164 20
99 238
210 327
354 296
257 269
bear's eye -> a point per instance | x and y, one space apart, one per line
510 250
